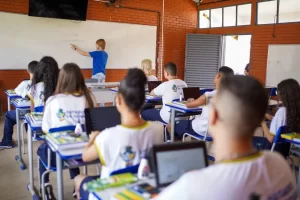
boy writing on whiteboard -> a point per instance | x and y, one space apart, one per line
99 59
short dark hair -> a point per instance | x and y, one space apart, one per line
226 71
247 68
132 88
250 97
171 68
31 66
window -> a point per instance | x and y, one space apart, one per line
230 16
204 19
266 12
216 17
289 11
244 14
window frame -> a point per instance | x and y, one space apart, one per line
237 11
235 16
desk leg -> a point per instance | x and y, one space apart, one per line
60 184
172 125
8 104
19 156
30 186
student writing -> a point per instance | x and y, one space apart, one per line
240 171
99 59
126 144
169 90
10 117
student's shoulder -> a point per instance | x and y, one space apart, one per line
210 93
281 111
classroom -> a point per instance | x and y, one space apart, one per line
160 99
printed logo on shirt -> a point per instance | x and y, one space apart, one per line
174 88
28 87
60 114
128 155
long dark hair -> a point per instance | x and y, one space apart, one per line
71 81
289 92
47 72
132 88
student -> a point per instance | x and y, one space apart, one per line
99 59
65 108
247 70
200 123
169 90
287 115
147 68
240 171
123 145
10 117
43 83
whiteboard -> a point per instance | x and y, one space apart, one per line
24 38
283 63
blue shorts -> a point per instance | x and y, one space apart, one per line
84 195
182 127
152 115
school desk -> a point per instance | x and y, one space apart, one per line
110 192
175 108
20 110
102 92
33 126
10 95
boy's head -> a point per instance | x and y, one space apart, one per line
147 66
170 70
237 109
100 44
247 70
31 68
223 72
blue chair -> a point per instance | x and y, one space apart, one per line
38 109
132 169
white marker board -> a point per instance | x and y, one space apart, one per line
24 38
283 63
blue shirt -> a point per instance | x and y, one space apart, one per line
99 61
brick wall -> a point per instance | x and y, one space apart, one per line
262 35
180 18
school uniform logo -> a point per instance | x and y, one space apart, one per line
174 88
42 95
128 155
60 114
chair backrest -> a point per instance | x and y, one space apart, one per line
39 109
132 169
100 118
277 136
279 144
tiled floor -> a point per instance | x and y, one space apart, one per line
13 181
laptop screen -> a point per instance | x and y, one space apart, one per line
173 162
153 84
191 93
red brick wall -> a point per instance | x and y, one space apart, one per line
180 18
261 35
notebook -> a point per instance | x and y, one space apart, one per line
35 118
191 93
183 105
153 84
170 161
21 102
98 119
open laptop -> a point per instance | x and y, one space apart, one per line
191 93
153 84
170 161
100 118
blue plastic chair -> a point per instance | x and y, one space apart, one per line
277 138
132 169
39 109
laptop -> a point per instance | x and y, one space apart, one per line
191 93
153 84
100 118
170 161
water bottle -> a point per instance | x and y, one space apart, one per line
144 170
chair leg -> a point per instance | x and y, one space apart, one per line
23 136
43 183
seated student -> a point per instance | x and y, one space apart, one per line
126 144
287 115
10 117
241 171
147 68
65 108
200 123
169 90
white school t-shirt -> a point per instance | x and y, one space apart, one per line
152 78
63 110
278 120
119 147
37 95
23 88
200 123
267 175
169 91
